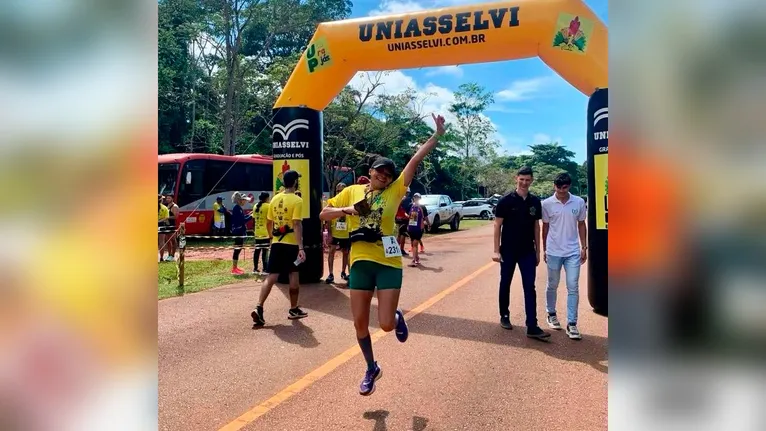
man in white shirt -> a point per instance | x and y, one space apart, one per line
565 245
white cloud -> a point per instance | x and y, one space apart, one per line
519 146
393 7
524 89
542 138
501 140
526 152
436 99
446 70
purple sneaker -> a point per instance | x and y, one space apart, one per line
402 332
368 384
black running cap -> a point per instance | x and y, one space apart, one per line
290 177
384 163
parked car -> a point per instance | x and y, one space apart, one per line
478 208
494 199
442 211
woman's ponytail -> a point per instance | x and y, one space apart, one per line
261 200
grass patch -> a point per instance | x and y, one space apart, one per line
465 224
199 275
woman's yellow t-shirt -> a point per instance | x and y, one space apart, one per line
259 220
383 207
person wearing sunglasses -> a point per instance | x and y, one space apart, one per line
376 257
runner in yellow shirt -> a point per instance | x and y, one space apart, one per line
376 258
262 233
339 234
285 222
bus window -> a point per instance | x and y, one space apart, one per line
168 175
236 179
217 176
189 193
259 177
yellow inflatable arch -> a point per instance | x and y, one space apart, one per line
565 34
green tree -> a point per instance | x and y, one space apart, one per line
283 28
177 71
582 179
553 154
470 136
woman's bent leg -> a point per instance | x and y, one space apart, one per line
389 282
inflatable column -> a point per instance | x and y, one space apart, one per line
598 201
297 141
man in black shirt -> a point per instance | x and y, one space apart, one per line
517 241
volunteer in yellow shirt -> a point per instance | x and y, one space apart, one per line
219 218
163 214
376 258
285 223
262 233
339 234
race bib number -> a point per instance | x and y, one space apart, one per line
391 247
341 225
414 222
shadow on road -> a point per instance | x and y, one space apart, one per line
419 423
591 350
379 416
430 269
295 333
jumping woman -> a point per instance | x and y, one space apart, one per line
376 258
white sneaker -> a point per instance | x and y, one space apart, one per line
553 322
573 332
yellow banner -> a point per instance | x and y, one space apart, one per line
601 183
565 34
302 167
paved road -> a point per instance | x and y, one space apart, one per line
458 371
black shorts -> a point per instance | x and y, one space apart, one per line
239 242
282 258
341 243
403 228
416 235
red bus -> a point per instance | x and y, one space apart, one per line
196 180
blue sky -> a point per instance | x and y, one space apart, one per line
532 103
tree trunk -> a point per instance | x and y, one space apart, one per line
228 113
